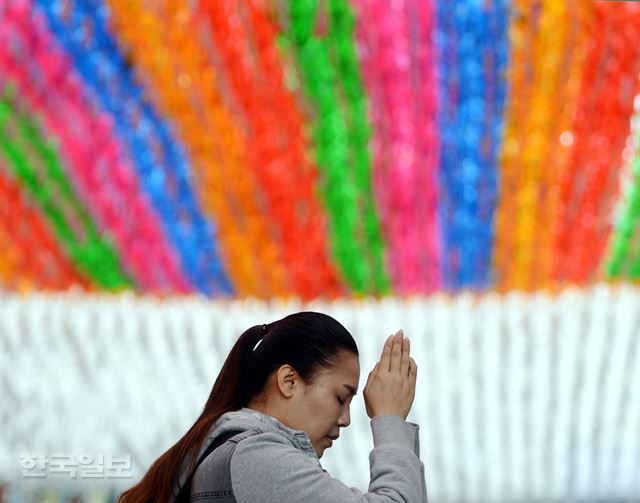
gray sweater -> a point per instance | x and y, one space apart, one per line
280 464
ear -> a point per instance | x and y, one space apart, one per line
288 380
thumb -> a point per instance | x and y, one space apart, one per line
372 374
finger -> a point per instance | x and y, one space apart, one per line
385 358
406 349
413 370
372 374
396 352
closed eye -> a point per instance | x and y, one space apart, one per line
340 400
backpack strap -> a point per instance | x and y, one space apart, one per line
184 494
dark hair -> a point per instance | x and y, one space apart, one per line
307 341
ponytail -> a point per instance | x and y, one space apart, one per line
159 482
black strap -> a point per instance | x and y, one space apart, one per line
184 495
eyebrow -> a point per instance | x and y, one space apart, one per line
351 389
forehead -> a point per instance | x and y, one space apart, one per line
345 370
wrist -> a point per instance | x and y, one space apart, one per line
393 429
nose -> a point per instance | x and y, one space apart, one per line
345 418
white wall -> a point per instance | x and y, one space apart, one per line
520 398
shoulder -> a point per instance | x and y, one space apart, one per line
214 473
263 447
268 467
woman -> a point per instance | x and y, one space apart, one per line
280 400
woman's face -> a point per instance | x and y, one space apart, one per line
324 402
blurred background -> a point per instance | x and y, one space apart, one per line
175 171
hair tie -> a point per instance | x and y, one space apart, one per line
264 329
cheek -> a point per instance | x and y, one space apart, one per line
324 416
